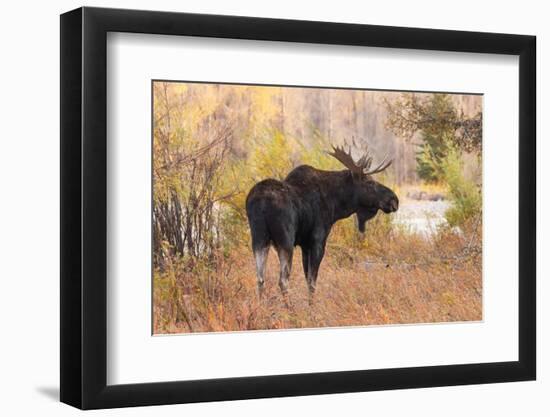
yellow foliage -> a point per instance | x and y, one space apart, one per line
271 158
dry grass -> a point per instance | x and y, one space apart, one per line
403 278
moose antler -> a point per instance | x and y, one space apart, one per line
363 164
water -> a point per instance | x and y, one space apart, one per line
421 216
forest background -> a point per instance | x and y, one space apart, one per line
213 142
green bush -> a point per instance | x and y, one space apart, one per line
464 194
427 159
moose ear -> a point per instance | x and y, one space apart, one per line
360 177
356 176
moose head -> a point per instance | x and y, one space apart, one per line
369 194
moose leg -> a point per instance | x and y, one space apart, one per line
260 254
316 253
285 260
305 261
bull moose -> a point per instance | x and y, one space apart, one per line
301 210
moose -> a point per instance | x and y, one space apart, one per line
301 210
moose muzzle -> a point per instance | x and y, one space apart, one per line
391 205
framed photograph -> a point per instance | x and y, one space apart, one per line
257 208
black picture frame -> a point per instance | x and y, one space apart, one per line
84 207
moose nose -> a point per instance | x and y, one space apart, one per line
394 204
